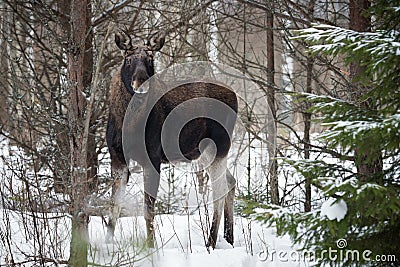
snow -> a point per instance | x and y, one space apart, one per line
180 238
180 241
334 209
326 38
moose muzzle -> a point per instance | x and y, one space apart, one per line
139 77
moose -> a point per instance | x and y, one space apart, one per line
137 67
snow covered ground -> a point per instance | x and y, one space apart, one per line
180 242
180 239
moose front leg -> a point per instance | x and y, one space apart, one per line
149 202
151 184
202 179
120 174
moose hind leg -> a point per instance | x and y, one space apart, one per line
217 174
228 208
120 175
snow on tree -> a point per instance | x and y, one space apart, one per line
362 208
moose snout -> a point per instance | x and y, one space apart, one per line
139 77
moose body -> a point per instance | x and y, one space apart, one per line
148 148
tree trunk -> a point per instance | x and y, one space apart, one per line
80 27
368 162
273 169
4 116
307 118
62 172
306 138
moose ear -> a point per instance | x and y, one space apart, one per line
123 41
157 42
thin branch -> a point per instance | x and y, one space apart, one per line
133 23
94 90
109 12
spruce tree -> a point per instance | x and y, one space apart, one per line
362 210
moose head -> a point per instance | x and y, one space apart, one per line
138 59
